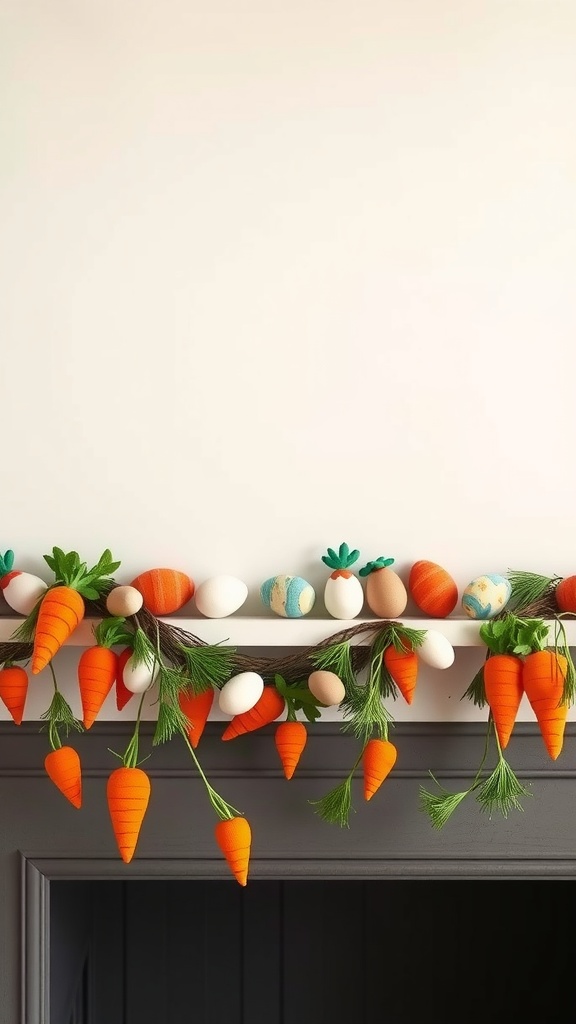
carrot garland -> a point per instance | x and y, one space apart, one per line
14 690
62 763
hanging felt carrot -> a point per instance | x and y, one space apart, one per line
127 794
290 739
234 837
62 608
14 690
98 667
62 763
544 675
291 735
402 664
378 760
265 711
196 707
504 689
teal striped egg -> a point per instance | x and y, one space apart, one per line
289 596
486 595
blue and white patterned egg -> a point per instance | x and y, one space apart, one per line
486 596
289 596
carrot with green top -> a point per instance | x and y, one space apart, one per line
378 760
61 610
98 667
403 668
62 763
544 676
128 792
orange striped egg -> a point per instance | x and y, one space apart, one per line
164 590
432 589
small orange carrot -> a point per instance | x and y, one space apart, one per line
543 676
14 690
97 670
403 668
63 767
290 739
504 689
127 793
266 709
378 760
234 837
63 607
196 707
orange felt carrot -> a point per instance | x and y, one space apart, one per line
290 739
196 707
543 676
127 793
63 767
403 668
63 608
266 709
14 689
97 669
378 760
234 837
504 688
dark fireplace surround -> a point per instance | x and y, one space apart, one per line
44 839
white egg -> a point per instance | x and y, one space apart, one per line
343 597
22 591
240 693
436 650
124 601
138 678
220 596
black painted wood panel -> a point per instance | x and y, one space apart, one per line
329 952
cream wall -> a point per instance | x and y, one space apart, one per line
277 275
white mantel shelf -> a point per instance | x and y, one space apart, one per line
245 631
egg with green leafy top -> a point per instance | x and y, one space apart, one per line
343 592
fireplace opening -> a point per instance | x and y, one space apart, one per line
310 952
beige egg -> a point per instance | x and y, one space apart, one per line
124 601
327 687
386 594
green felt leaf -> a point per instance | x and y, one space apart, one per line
6 562
343 560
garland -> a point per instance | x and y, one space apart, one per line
138 653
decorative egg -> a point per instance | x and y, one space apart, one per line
565 594
140 677
164 590
486 595
432 589
436 650
343 595
22 591
220 596
386 594
124 601
289 596
327 687
240 693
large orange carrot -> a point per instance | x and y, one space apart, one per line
543 676
63 767
14 690
403 668
63 607
266 709
503 687
290 739
97 669
127 794
196 707
378 760
234 837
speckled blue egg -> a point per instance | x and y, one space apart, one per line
289 596
486 596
